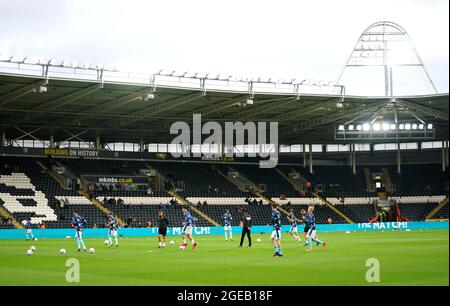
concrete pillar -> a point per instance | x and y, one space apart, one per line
354 158
52 141
446 153
399 166
97 143
310 159
3 140
304 156
350 156
443 157
141 145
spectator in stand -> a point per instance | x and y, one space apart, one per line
105 201
329 220
95 225
43 225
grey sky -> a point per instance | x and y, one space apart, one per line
302 39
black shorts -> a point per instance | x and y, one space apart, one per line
162 231
306 229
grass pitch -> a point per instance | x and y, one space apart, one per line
406 258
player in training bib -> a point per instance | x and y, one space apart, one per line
78 222
227 218
188 226
112 231
276 233
294 225
28 229
310 223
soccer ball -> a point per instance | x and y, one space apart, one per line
35 239
172 242
92 250
33 248
107 242
182 247
29 252
258 240
62 251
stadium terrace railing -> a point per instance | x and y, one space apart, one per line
217 82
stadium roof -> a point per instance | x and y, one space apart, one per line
123 112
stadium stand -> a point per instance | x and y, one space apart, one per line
24 185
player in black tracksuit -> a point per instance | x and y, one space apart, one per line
246 228
163 223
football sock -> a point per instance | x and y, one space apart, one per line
82 244
318 241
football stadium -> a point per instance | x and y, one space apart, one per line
175 178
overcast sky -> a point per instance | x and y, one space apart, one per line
282 38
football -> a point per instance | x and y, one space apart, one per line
29 252
92 250
182 247
33 248
172 242
62 251
106 242
258 240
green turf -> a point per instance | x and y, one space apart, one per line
406 258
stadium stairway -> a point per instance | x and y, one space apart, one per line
369 179
386 176
50 173
238 186
100 206
192 207
437 209
337 211
7 215
290 181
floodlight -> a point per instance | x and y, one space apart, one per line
414 126
376 127
401 127
341 128
366 127
430 126
421 126
351 127
407 126
359 127
393 127
385 126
